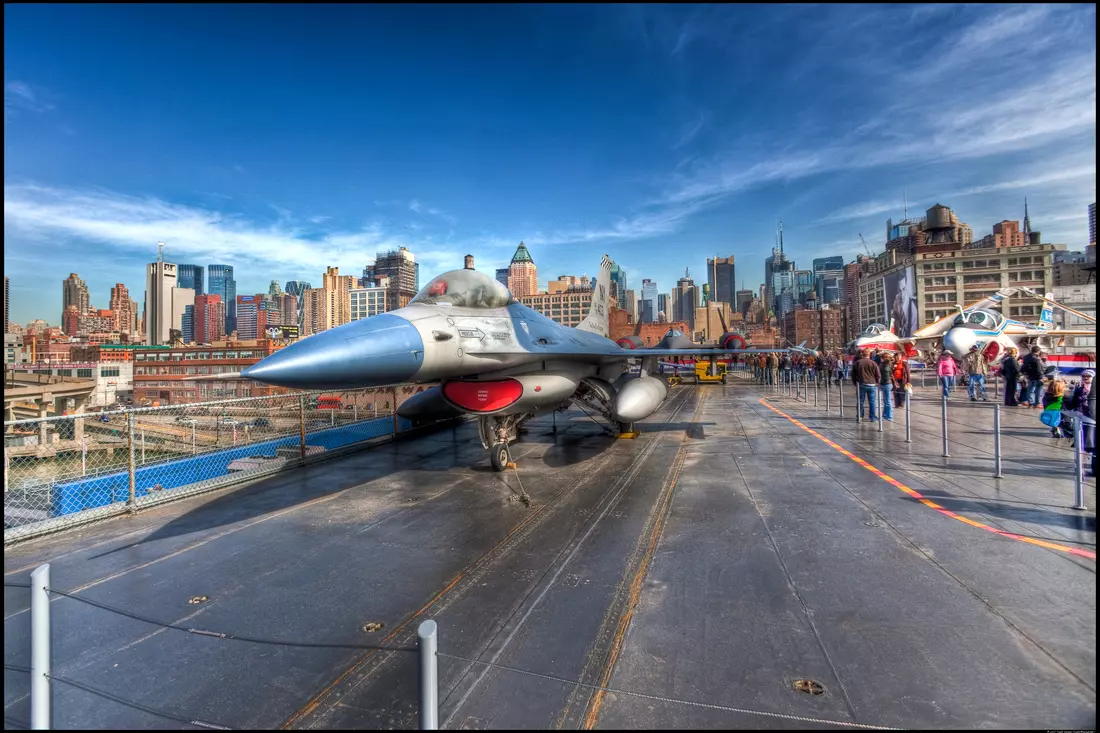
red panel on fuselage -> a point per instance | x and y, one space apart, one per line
483 396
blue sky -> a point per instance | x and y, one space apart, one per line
281 139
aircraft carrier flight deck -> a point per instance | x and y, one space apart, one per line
748 561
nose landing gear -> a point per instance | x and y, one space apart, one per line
496 433
500 456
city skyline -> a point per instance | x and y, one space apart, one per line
106 153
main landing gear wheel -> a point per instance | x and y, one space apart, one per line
500 457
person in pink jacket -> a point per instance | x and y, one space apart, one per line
946 369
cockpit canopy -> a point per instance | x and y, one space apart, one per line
464 289
875 329
980 319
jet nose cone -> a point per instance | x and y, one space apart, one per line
383 349
959 341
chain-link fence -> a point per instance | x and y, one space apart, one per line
60 471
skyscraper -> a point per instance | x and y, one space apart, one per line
336 287
721 276
182 298
502 276
829 279
686 301
618 284
190 276
297 288
74 292
664 308
209 319
401 267
6 303
251 318
778 262
187 325
1092 224
649 301
522 277
160 281
123 308
632 305
219 280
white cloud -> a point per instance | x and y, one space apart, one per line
21 97
134 225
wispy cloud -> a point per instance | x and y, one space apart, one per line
859 211
947 112
418 207
690 131
134 225
1056 176
21 97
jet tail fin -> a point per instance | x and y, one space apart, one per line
1046 318
596 321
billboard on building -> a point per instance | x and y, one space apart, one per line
900 291
281 332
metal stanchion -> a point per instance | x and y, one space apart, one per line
828 391
429 676
133 475
815 393
943 422
302 426
840 398
908 419
355 413
41 652
923 371
997 441
882 405
1078 463
143 446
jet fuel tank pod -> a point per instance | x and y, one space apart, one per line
524 393
639 398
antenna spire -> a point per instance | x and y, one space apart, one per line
905 199
160 253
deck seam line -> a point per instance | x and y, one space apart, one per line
614 496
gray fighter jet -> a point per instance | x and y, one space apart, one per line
493 356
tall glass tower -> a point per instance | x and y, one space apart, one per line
190 276
220 282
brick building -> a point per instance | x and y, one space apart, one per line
158 374
820 328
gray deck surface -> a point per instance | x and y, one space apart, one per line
721 555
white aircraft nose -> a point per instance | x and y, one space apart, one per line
959 341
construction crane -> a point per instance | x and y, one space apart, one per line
865 247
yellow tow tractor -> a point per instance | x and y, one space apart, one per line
710 371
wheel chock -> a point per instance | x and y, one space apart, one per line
628 436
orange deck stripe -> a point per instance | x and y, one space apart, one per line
931 504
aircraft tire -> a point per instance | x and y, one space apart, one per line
500 456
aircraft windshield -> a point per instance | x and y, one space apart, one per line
874 329
984 319
464 289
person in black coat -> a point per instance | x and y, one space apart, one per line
1010 370
1083 403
